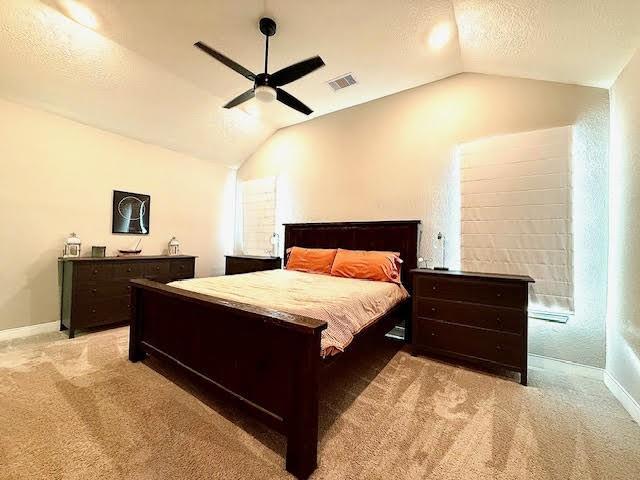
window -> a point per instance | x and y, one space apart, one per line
516 211
258 217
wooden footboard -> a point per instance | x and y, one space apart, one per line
267 360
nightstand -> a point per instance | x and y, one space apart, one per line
481 318
249 263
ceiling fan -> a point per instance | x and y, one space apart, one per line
266 86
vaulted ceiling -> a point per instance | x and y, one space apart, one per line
586 42
137 73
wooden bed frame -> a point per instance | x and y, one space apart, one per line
266 360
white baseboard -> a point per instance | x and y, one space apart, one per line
28 331
627 401
548 363
617 390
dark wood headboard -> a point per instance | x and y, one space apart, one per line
394 236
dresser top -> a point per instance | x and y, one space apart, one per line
124 258
478 275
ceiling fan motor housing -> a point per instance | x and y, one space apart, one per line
262 80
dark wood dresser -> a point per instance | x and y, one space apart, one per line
248 263
476 317
95 291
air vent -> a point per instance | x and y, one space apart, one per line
342 82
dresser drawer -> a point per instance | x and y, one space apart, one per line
464 341
92 272
127 270
489 293
89 292
156 268
181 269
119 288
483 316
101 312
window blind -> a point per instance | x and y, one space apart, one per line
516 211
258 211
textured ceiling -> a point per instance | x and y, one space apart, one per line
139 75
51 62
586 42
383 42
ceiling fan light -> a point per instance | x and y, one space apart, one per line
265 94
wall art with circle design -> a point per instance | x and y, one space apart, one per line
131 213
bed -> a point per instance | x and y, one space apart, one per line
348 305
263 355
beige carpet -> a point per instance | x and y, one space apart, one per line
79 410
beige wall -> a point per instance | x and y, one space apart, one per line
623 320
57 176
393 158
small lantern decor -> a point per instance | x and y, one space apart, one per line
72 246
174 246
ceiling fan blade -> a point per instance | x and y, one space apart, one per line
248 95
227 61
291 101
295 71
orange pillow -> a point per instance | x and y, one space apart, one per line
372 265
314 260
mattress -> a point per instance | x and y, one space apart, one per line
347 305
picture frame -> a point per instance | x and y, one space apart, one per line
131 213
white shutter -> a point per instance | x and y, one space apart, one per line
516 211
258 211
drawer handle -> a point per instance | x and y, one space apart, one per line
499 347
128 270
433 334
128 287
128 305
181 267
433 309
93 310
157 267
93 290
499 294
498 320
95 270
435 287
